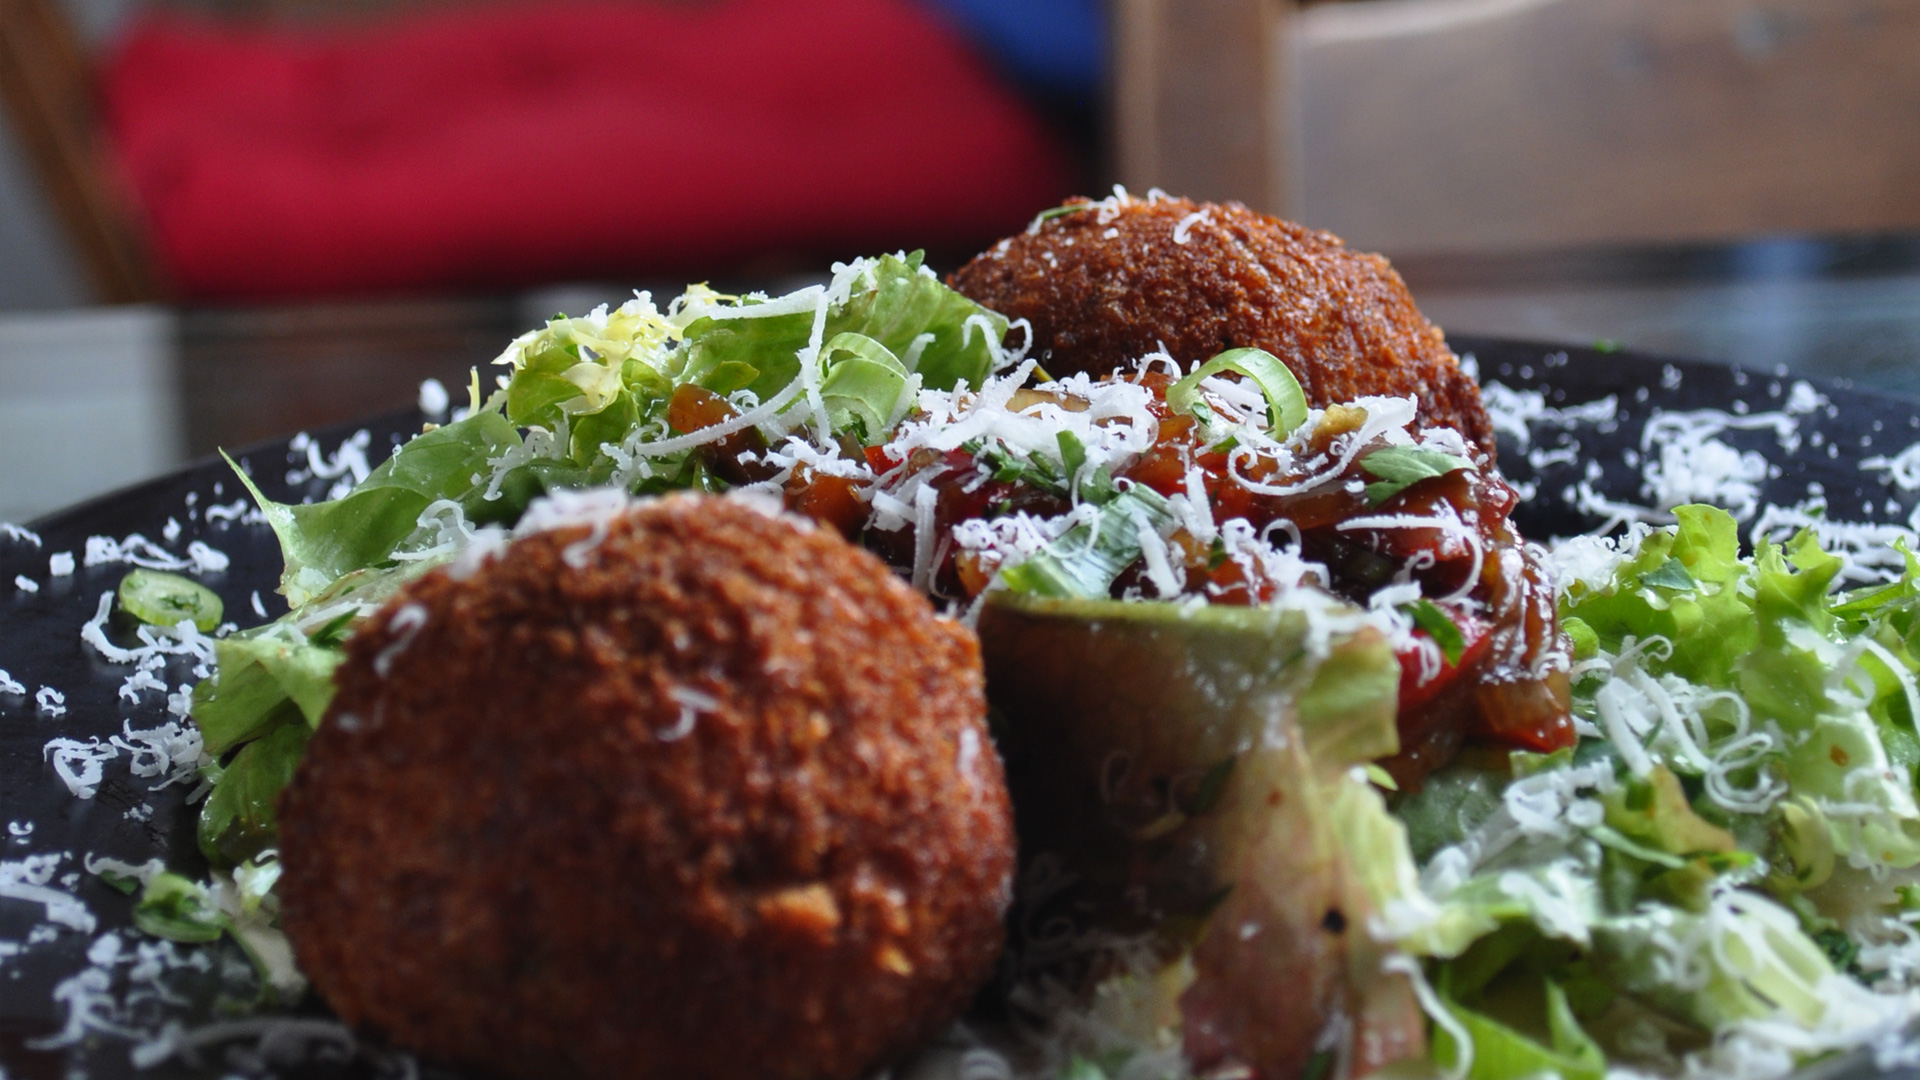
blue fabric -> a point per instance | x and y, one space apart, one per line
1054 47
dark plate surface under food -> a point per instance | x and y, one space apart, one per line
1593 437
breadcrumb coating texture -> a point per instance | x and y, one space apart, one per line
1102 289
719 800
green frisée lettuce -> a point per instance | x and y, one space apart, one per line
583 403
323 541
1706 880
584 397
1763 683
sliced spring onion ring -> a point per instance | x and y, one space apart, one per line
165 599
1286 402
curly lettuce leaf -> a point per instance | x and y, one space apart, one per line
323 541
903 303
1833 675
934 332
1698 609
254 675
239 818
1498 1051
863 385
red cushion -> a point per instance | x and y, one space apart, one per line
506 145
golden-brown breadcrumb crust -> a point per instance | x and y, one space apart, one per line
498 854
1103 291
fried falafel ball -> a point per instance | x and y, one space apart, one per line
1108 284
696 792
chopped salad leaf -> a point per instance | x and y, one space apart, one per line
1401 467
323 541
237 821
1085 561
1440 626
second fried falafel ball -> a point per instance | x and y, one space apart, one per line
692 792
1106 285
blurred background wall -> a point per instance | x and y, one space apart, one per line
1731 179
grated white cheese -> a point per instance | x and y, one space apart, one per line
596 508
406 622
1516 412
433 399
241 510
1183 230
346 466
1866 548
27 879
692 703
137 550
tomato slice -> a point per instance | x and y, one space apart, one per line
1417 689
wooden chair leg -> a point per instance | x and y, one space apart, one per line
1202 99
47 87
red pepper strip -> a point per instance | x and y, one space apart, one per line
1416 691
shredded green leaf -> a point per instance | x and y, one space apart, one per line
1085 561
1401 467
1440 626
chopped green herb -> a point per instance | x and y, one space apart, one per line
1059 211
1073 453
1216 553
119 882
1401 467
1671 574
1840 948
1086 559
1428 616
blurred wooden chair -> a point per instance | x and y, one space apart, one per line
1494 126
474 146
47 88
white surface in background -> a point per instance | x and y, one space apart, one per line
88 403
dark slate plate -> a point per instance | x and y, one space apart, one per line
1810 437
